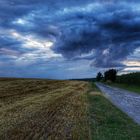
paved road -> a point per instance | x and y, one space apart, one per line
128 102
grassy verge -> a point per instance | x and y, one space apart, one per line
107 122
132 88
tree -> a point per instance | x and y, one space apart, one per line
99 76
110 75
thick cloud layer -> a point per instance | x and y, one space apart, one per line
111 32
104 33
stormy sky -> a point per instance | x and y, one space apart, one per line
64 39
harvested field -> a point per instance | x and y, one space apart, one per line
43 109
60 110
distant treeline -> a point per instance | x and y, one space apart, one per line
85 79
131 78
111 75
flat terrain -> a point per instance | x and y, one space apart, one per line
32 109
127 101
42 109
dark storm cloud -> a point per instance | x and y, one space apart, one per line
105 32
111 31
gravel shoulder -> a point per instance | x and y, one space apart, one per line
128 102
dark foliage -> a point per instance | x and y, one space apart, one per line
110 75
130 79
99 76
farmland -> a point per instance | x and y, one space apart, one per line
33 109
40 109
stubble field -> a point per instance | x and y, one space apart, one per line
33 109
43 109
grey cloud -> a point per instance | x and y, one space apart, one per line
116 28
105 34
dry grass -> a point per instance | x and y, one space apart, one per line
43 109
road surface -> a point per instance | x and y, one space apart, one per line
128 102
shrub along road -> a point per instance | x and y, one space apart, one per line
128 102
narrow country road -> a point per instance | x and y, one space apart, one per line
128 102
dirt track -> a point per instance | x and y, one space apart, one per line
128 102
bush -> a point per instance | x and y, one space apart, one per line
99 76
110 75
131 78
